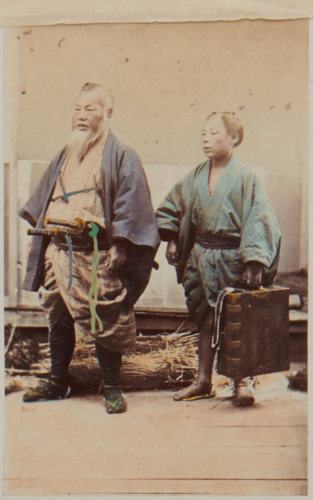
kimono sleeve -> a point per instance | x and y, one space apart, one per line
170 213
260 236
133 214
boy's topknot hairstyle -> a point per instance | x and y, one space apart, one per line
106 98
232 124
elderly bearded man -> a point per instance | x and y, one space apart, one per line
99 180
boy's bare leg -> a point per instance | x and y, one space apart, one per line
202 387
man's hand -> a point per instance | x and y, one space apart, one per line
117 256
171 253
253 274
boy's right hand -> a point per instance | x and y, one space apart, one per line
172 253
253 274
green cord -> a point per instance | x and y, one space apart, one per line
113 405
93 292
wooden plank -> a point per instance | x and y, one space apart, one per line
163 323
158 320
202 437
144 443
171 318
135 458
25 318
157 446
145 486
290 409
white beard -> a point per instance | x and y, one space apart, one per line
81 141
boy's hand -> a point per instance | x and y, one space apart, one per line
253 274
171 253
117 256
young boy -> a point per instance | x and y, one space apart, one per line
221 229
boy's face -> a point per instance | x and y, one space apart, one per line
215 139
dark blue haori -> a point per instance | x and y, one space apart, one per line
128 214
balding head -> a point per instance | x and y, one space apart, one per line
104 95
93 110
93 104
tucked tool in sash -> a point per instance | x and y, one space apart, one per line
67 230
80 235
78 226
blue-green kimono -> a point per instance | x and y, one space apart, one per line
238 210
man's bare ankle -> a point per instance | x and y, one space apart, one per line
204 383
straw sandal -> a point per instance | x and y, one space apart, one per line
114 401
50 391
242 395
194 392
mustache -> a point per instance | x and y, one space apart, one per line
81 141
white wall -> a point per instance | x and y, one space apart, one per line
166 78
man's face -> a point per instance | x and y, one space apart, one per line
215 139
88 112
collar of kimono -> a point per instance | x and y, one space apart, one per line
228 169
222 185
86 165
